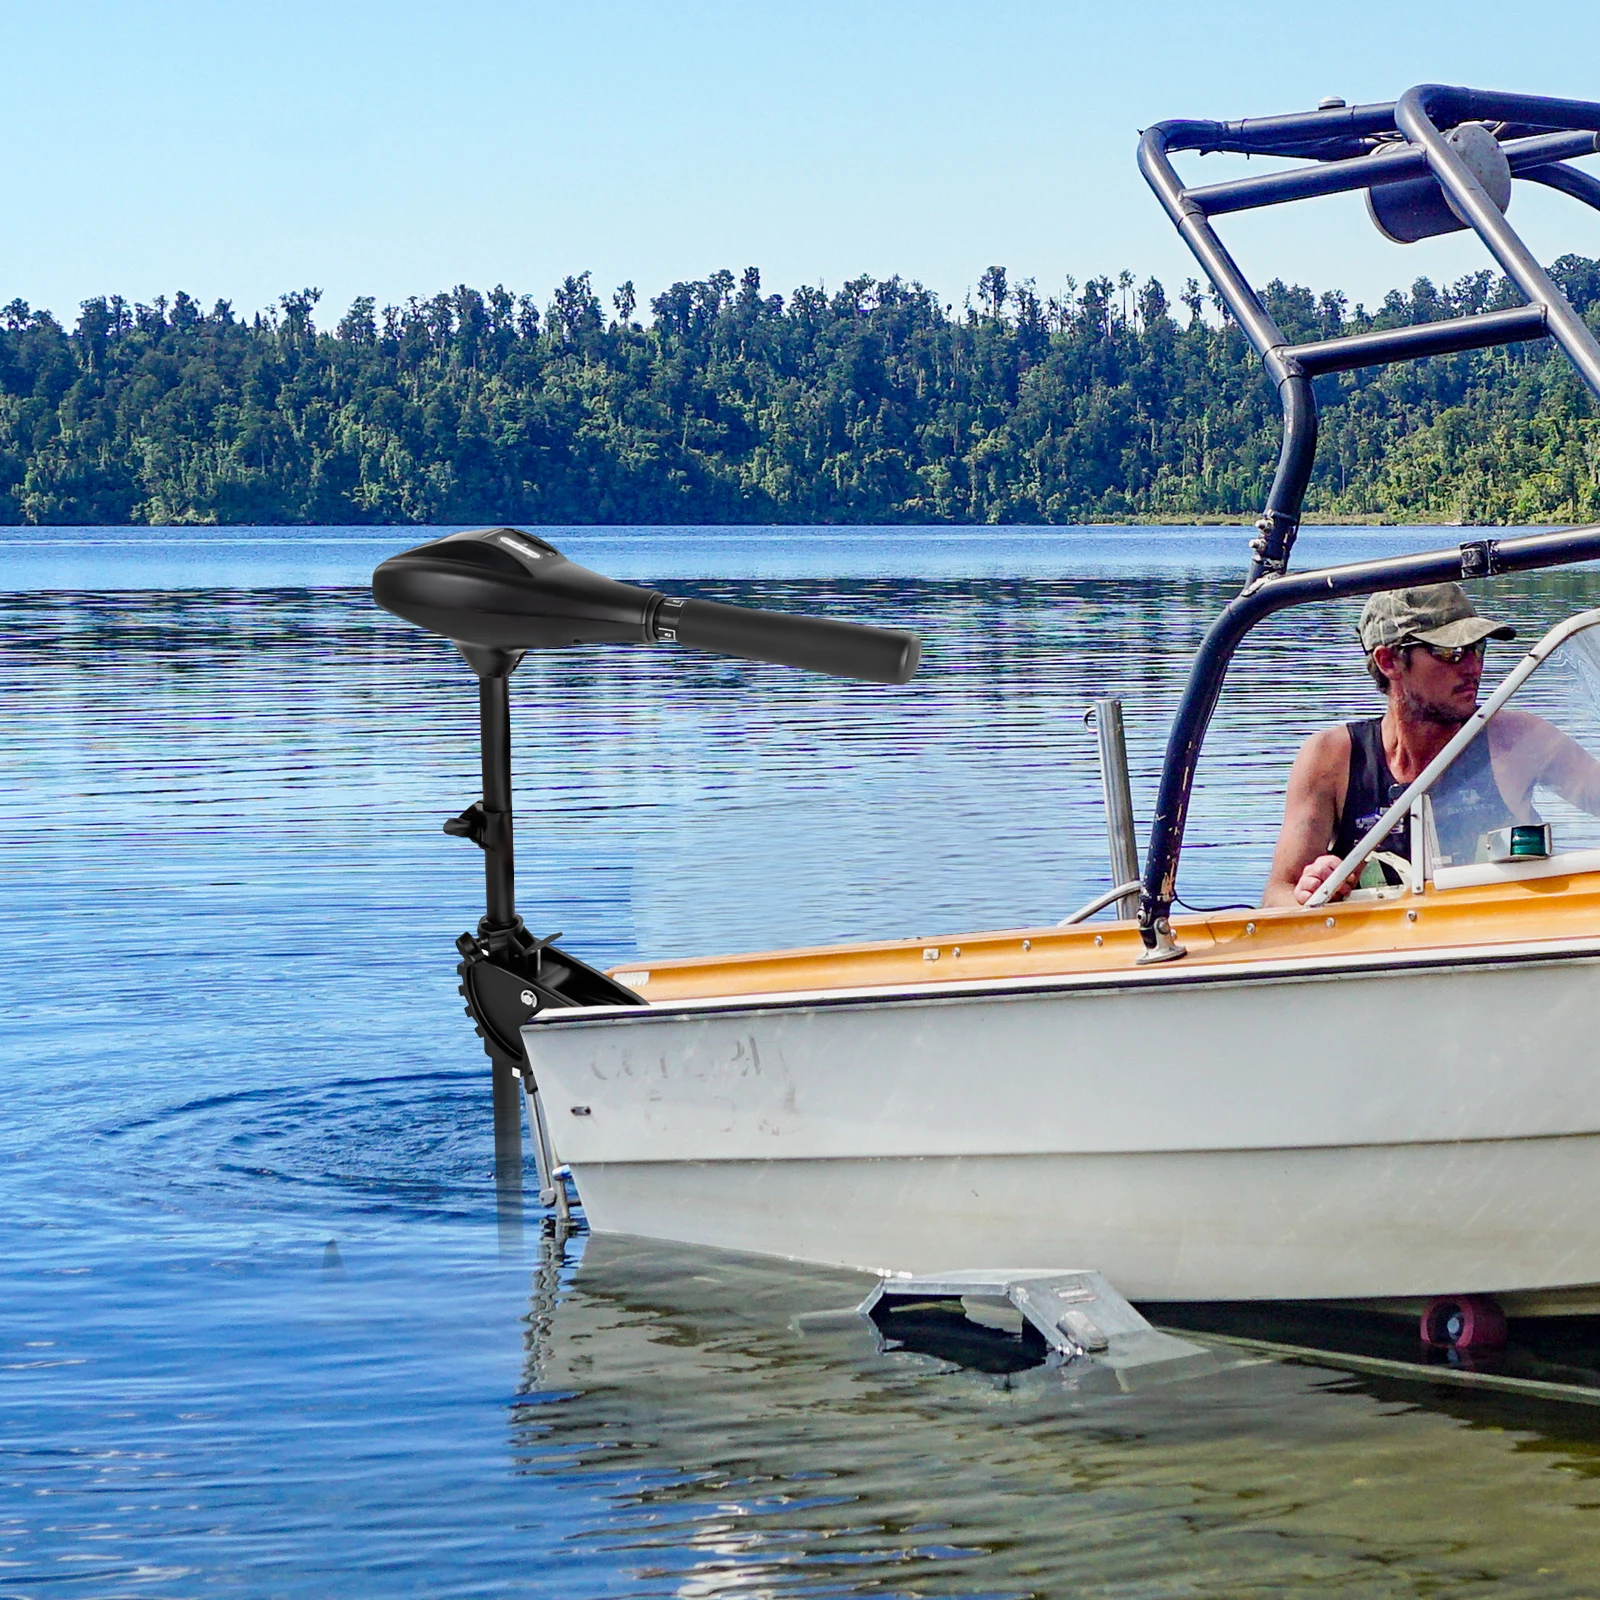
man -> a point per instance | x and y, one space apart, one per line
1425 652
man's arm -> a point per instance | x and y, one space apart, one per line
1310 815
1538 753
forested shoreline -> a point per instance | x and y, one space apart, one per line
875 403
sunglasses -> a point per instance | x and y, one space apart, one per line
1453 655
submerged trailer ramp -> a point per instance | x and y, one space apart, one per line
1087 1327
1079 1316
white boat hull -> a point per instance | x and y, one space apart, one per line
1360 1129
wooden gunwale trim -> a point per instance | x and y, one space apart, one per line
1553 913
1166 977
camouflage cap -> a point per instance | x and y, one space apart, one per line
1436 613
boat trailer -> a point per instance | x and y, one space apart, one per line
1077 1314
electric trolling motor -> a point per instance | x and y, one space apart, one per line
500 592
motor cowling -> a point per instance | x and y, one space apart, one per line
506 590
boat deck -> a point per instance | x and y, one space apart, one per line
1554 907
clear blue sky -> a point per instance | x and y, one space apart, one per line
400 148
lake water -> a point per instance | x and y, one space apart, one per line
263 1333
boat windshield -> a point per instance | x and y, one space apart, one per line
1548 735
1518 784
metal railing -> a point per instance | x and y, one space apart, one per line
1536 136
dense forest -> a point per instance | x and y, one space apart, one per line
873 403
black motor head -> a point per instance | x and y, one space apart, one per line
500 591
510 590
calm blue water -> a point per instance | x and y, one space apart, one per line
262 1332
215 558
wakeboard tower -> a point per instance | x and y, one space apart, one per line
1437 160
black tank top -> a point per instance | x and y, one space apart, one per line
1467 802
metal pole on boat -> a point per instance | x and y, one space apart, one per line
1118 792
500 921
494 669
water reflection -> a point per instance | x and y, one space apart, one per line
745 1447
508 1141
